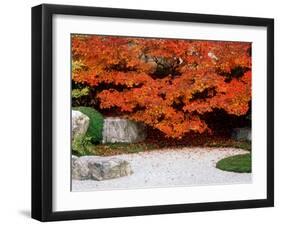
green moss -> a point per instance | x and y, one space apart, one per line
237 163
94 132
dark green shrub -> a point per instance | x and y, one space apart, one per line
94 132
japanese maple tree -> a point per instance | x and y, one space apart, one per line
165 83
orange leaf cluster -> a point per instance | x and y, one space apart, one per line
165 83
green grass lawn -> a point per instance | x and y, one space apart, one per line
238 163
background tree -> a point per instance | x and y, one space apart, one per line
165 83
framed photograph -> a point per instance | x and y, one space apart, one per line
145 112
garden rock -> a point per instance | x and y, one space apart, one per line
80 124
73 159
118 130
99 168
242 134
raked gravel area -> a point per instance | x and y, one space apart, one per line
171 167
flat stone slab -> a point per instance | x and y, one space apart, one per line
99 168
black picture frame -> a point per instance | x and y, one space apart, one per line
42 107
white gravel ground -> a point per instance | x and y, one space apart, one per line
171 167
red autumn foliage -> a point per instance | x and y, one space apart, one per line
166 83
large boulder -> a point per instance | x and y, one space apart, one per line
118 130
99 168
242 134
80 124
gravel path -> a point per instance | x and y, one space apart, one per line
171 167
